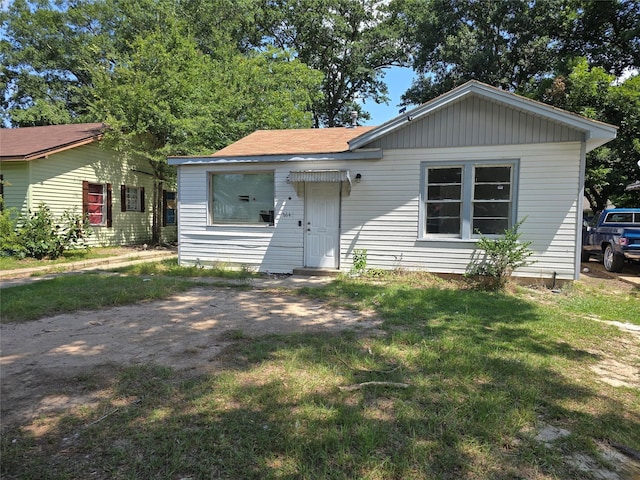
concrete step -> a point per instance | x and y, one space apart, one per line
316 272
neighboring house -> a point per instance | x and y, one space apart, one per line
413 192
64 167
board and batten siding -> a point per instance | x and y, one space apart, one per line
382 213
57 182
476 121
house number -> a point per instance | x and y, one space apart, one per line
286 214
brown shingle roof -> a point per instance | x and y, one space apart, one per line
292 142
29 143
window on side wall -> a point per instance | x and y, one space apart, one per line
169 208
131 199
467 199
96 203
242 198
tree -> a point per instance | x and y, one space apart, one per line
42 51
593 93
506 43
350 41
606 33
167 98
513 44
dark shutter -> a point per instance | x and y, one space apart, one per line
109 206
123 198
164 208
142 199
85 199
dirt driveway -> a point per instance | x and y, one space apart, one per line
40 359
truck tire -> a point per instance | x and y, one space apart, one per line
613 262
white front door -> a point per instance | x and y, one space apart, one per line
322 218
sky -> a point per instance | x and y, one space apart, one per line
398 80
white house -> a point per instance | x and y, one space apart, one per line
413 192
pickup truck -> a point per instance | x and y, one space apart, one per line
614 235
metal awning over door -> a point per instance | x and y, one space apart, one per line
299 178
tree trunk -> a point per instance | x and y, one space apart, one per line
156 225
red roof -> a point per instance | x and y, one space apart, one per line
29 143
292 142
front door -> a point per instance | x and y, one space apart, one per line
322 218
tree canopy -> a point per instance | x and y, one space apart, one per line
350 41
195 75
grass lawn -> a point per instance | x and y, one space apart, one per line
484 372
11 263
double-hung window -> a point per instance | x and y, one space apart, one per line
242 198
131 199
169 208
96 203
467 199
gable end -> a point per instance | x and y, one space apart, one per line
475 121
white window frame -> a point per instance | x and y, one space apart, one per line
103 204
133 196
467 192
210 200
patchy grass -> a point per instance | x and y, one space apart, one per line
591 300
485 371
11 263
90 291
170 267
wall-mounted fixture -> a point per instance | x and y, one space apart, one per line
358 177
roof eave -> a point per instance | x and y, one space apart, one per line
51 151
364 154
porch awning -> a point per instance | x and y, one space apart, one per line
299 178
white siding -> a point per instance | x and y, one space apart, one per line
382 213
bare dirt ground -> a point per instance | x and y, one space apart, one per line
41 360
187 332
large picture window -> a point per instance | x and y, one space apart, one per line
468 199
242 198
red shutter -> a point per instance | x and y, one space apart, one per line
142 199
85 198
109 206
123 198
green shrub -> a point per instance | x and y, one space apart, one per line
9 241
359 261
40 236
501 257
